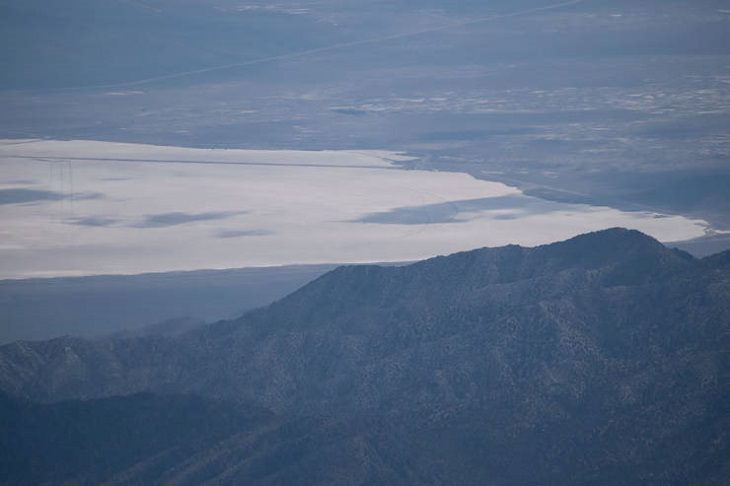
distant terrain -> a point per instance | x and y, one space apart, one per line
166 303
79 207
177 177
621 103
598 360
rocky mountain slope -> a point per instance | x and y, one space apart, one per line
599 360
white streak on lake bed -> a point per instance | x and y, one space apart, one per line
85 207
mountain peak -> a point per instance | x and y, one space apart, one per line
488 355
622 250
612 238
619 256
614 244
718 260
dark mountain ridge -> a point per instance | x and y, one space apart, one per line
599 360
112 434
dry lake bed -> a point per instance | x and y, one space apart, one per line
88 207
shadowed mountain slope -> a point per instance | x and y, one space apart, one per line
599 360
90 441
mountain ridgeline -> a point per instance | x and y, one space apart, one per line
603 359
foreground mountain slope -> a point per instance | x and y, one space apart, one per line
598 360
95 440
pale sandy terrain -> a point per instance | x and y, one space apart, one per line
81 207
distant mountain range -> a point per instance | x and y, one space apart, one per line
153 303
603 359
